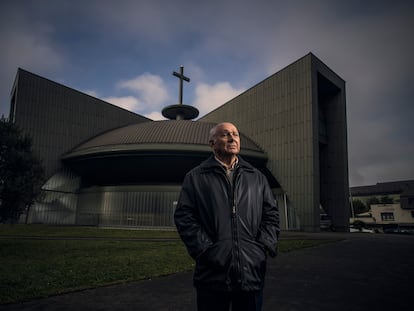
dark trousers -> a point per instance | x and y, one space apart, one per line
210 300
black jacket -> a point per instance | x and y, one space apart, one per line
227 230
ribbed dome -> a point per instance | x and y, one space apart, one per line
166 133
150 152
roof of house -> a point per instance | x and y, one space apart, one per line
395 187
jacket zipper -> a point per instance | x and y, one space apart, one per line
237 261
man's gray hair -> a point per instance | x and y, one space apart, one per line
213 132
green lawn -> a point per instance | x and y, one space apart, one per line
32 268
75 231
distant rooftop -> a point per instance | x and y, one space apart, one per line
394 187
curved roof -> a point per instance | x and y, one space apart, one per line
151 152
158 135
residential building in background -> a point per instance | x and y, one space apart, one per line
389 206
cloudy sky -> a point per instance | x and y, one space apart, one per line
125 51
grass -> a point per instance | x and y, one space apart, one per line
31 268
81 232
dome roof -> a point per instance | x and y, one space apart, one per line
157 135
154 151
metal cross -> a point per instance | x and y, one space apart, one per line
181 77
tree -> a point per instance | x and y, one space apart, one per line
21 172
386 200
372 201
358 206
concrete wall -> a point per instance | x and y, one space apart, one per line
282 115
58 118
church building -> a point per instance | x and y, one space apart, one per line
110 167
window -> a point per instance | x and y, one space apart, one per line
387 216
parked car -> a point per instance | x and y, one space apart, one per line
398 230
364 230
325 223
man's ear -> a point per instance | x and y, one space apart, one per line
211 143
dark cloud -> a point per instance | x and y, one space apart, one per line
94 44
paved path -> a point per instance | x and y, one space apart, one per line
362 272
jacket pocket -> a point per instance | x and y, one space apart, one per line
255 252
218 254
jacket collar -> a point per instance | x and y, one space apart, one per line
211 163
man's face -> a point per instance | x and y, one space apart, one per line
226 141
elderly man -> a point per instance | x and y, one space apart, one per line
228 219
